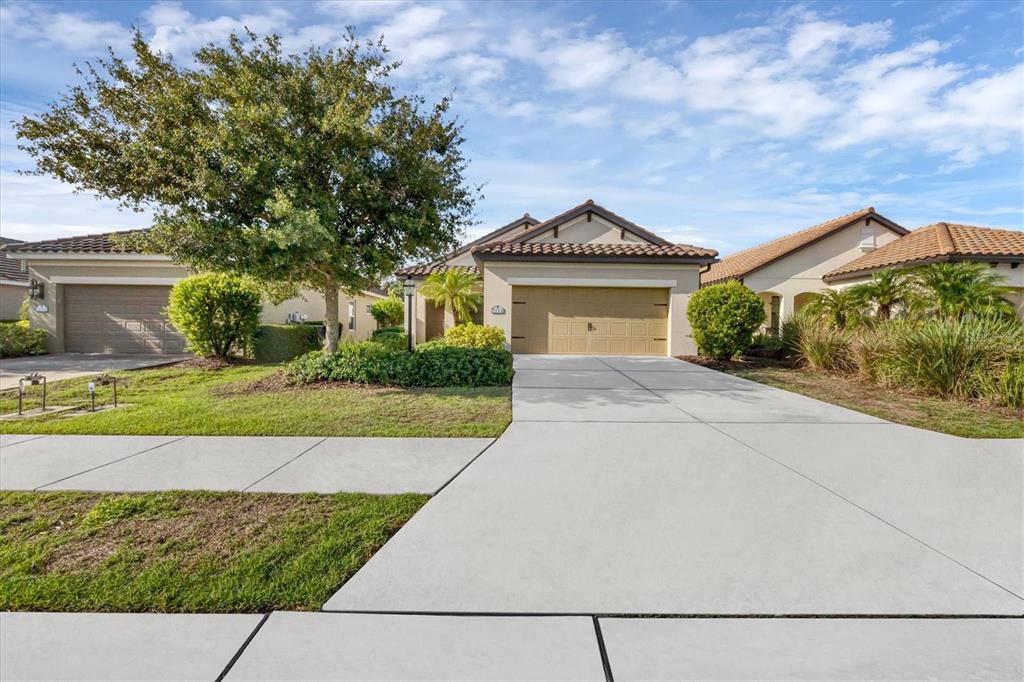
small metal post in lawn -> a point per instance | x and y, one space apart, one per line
34 379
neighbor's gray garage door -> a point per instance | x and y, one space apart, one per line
118 319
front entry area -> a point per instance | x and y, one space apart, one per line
589 320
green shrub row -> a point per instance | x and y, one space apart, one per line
969 358
392 337
433 364
16 338
472 335
281 342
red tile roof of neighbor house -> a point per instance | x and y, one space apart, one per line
10 269
431 268
616 250
747 261
938 242
86 243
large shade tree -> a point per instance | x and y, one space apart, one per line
306 169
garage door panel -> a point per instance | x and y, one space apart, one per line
118 319
584 320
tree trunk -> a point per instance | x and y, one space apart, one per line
331 318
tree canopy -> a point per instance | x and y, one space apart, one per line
304 168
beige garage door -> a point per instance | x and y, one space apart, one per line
118 319
589 320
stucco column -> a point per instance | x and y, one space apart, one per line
498 296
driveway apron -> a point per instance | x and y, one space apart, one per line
631 486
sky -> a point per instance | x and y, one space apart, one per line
721 124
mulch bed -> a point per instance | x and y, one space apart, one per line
736 364
213 363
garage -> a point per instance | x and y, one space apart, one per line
590 320
118 319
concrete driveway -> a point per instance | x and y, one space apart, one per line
652 486
73 365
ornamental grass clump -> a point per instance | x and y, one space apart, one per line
949 357
823 346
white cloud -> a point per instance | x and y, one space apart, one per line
176 30
360 9
587 117
477 69
72 31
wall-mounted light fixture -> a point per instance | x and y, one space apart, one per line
36 289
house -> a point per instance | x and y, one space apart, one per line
586 281
1003 250
788 271
95 297
13 284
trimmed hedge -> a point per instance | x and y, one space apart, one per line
724 318
16 338
429 365
392 337
471 335
281 342
217 313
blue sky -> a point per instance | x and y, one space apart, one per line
719 124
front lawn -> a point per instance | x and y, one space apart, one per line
967 419
251 400
196 552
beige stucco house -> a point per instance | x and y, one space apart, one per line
13 284
97 298
587 281
788 271
1002 250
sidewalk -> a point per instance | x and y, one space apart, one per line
243 463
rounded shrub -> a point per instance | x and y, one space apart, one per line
388 312
471 335
724 318
217 313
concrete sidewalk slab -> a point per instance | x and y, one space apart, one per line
119 646
530 378
642 363
962 496
653 518
704 381
195 463
321 646
375 465
15 438
37 462
73 365
762 404
814 649
588 404
558 362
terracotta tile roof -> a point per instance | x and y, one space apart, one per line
589 206
938 242
86 243
615 250
745 262
431 268
10 269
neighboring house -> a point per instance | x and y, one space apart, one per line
13 284
788 271
584 282
1003 250
97 298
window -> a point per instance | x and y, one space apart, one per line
351 316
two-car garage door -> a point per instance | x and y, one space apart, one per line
118 319
589 320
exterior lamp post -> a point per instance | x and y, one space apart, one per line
410 289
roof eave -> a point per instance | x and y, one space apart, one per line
581 258
583 209
830 277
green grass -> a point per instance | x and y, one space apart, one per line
190 401
959 418
197 552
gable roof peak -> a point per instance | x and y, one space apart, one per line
586 207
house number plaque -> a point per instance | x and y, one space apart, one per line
497 310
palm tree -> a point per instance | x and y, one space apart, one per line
455 289
887 290
840 306
953 290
